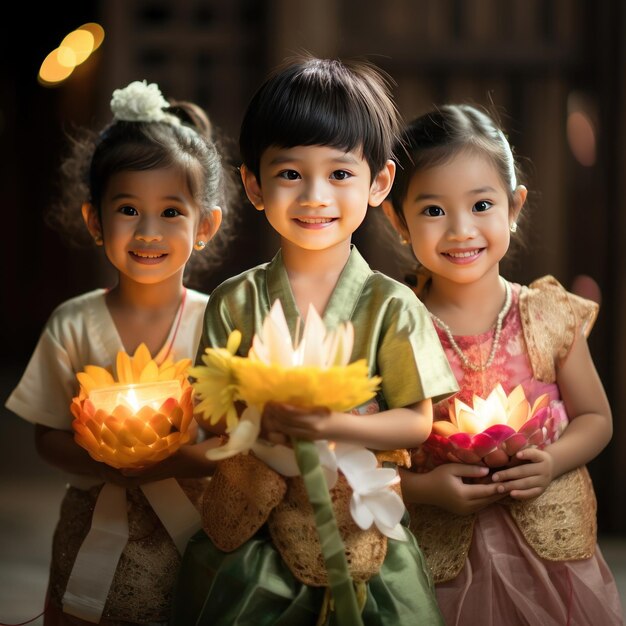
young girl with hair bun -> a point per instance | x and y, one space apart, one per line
518 546
152 190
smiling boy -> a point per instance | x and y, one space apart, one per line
316 143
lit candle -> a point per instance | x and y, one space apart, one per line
491 431
134 397
139 419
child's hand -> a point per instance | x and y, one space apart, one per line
136 477
528 480
118 477
188 462
446 487
280 422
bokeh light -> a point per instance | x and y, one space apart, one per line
52 72
80 42
581 131
75 49
96 31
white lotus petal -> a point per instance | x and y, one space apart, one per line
278 344
277 315
330 349
397 532
493 410
328 462
386 506
516 396
272 344
354 460
375 480
338 345
386 512
241 439
346 342
361 515
498 391
459 407
310 350
280 458
468 421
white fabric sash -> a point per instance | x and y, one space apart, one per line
97 559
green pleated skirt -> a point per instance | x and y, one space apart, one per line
252 586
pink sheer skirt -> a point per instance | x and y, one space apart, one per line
504 583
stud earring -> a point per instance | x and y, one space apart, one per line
97 240
404 242
199 244
513 227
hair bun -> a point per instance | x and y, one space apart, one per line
141 102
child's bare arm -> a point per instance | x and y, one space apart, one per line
404 427
188 462
58 448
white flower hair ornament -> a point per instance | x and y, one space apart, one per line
141 102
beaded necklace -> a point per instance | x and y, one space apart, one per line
467 364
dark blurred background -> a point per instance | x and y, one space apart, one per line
554 70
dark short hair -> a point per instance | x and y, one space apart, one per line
309 101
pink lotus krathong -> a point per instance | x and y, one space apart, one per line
491 432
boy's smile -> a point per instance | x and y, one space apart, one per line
315 222
315 197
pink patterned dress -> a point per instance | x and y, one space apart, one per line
503 581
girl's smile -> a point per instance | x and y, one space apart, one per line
147 257
463 257
458 216
149 220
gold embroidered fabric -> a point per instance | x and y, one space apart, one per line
444 538
560 524
244 493
551 318
146 574
400 458
238 500
293 531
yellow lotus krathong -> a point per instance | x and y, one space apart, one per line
316 372
491 432
139 419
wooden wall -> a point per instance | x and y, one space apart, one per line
534 60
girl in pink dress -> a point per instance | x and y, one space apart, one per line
516 545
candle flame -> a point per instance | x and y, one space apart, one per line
136 396
498 408
137 418
131 401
